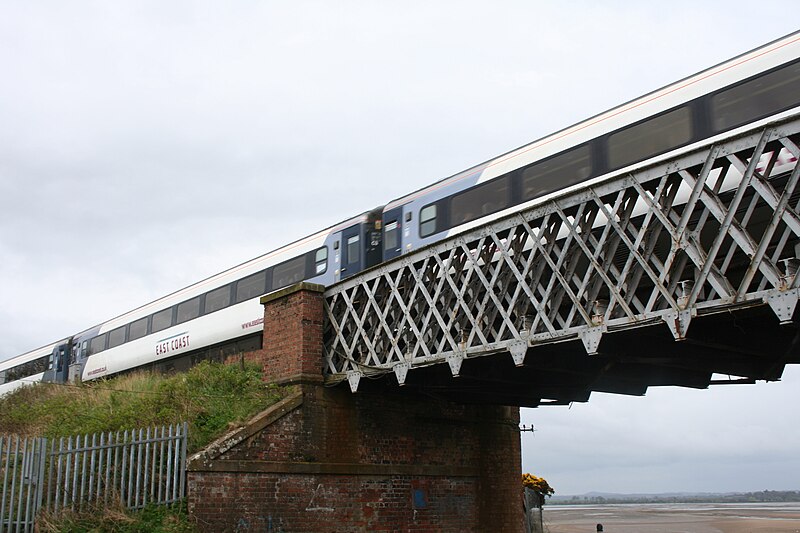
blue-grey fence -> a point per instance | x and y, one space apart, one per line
129 468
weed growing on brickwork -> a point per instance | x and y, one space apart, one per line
210 396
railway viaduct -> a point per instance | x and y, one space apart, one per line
405 381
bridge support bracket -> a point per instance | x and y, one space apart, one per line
401 371
518 350
353 377
591 338
678 322
783 303
455 360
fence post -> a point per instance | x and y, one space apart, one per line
6 442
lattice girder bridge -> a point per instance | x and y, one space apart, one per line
675 274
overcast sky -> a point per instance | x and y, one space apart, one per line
147 145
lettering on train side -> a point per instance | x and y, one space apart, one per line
172 344
97 371
253 323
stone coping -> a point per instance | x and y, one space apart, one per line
204 458
291 289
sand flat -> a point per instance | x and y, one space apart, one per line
674 518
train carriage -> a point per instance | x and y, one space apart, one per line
221 315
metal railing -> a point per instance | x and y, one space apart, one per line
705 232
131 468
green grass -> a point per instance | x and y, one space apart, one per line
211 397
151 519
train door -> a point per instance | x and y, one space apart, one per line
392 234
352 251
61 361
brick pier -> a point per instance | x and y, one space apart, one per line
326 460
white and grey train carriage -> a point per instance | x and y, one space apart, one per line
222 313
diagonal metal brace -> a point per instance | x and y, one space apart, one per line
678 322
783 304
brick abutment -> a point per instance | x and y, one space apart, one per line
327 460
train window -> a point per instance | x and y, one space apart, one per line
37 366
427 220
218 299
137 329
480 201
321 260
188 310
650 138
251 286
353 249
758 98
116 337
97 344
289 272
391 232
557 172
162 320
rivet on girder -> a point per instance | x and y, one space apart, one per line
400 372
678 322
591 339
783 304
455 360
353 377
518 350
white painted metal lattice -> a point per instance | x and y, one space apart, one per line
707 232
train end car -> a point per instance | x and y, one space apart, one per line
49 364
221 315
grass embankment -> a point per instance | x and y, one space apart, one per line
210 397
151 519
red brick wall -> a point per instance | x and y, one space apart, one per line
343 462
292 344
334 503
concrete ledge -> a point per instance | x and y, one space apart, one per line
357 469
301 379
202 460
291 289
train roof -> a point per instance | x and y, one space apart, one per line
34 354
28 356
283 249
770 46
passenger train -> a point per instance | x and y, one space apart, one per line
221 315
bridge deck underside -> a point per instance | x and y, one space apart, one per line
595 290
718 349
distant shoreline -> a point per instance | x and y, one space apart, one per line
765 496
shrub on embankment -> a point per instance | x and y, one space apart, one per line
210 397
